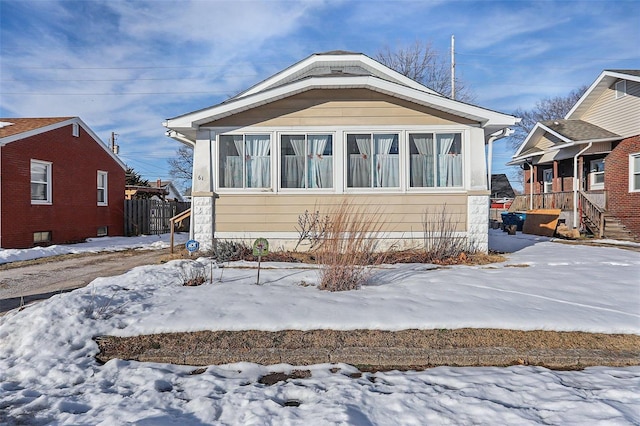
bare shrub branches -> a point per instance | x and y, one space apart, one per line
311 227
441 241
348 245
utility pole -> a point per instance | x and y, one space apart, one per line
453 67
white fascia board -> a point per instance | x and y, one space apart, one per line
39 130
484 116
364 60
536 129
604 80
584 142
58 125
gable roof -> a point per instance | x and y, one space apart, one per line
605 80
501 187
335 70
15 129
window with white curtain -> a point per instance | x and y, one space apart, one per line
40 182
306 161
244 161
435 160
372 160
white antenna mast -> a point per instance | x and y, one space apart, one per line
453 67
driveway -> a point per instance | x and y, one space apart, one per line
25 282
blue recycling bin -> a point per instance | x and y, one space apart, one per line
514 218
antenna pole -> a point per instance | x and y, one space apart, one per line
453 67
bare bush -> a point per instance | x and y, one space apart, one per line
193 274
441 241
348 246
311 228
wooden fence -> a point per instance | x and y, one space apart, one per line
150 217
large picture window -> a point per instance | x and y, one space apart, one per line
306 161
435 160
245 161
40 182
372 160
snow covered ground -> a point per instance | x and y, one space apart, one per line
48 374
93 245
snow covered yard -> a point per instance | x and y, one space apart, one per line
48 374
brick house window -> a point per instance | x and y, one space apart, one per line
41 237
634 172
102 188
40 182
103 231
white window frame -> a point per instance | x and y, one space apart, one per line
245 189
547 185
464 148
104 189
75 130
633 172
372 187
621 89
279 164
593 185
48 182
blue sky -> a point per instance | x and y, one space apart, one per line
126 66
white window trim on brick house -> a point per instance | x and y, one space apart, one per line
46 182
103 188
634 172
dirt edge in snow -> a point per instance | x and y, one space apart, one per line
379 350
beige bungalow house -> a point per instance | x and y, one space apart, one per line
331 127
588 164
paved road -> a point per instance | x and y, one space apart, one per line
31 282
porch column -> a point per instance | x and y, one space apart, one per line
555 186
203 197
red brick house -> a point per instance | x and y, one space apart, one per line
59 183
588 164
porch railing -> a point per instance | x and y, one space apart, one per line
590 209
592 214
551 200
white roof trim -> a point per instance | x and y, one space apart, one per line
484 116
337 60
48 128
597 84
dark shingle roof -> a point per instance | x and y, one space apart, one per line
501 187
578 130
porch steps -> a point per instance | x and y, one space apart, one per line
615 230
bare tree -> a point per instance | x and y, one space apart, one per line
550 108
423 63
181 166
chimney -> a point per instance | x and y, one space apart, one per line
159 183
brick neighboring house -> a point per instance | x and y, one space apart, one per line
588 164
59 183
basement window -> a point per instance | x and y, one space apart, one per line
102 231
41 237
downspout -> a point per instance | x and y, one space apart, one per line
0 196
575 184
503 133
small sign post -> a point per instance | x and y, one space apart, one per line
260 248
192 246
